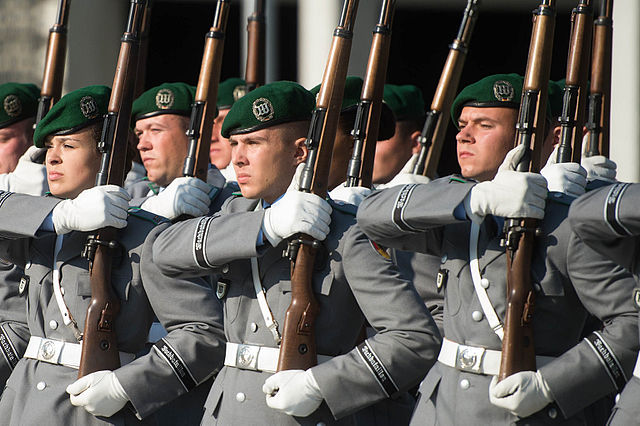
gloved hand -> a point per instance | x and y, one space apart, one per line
294 392
405 176
185 195
568 178
28 177
296 212
100 393
522 394
510 194
349 194
599 167
93 209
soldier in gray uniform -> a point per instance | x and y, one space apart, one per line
46 236
351 281
570 280
19 173
607 220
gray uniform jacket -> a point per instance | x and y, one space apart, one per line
188 309
609 222
352 283
569 278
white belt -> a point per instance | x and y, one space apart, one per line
61 353
636 370
475 359
256 358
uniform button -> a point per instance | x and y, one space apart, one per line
553 413
41 385
444 258
537 287
464 384
484 283
225 268
321 424
240 397
476 315
53 324
557 194
254 327
27 265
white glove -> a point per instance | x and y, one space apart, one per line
349 194
93 209
599 167
100 393
185 195
522 394
294 392
510 194
296 212
28 177
568 178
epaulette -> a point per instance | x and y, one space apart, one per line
343 207
560 198
147 216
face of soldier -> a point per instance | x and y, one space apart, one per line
265 161
162 143
72 163
220 149
485 137
14 141
392 154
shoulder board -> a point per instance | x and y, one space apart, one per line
147 216
342 207
560 198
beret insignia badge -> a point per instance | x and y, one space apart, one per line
262 109
239 91
12 106
503 91
89 107
165 99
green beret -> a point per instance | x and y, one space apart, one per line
19 101
274 103
350 100
73 112
498 90
168 98
405 101
230 91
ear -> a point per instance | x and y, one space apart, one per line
301 151
415 144
556 134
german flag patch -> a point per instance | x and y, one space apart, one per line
382 251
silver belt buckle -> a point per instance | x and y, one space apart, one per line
49 350
469 358
247 357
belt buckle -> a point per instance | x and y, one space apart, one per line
469 358
49 350
247 357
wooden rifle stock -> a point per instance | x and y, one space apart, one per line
575 90
255 71
298 348
367 124
99 342
437 119
600 96
54 63
204 110
518 351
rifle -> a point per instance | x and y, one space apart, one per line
518 352
99 342
600 96
204 110
575 89
255 71
435 126
54 62
367 124
298 348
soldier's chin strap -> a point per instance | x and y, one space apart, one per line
481 292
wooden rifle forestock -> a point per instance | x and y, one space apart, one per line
437 119
367 126
600 91
203 110
298 348
518 351
54 62
255 71
99 342
575 91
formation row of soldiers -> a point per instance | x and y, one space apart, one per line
418 262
